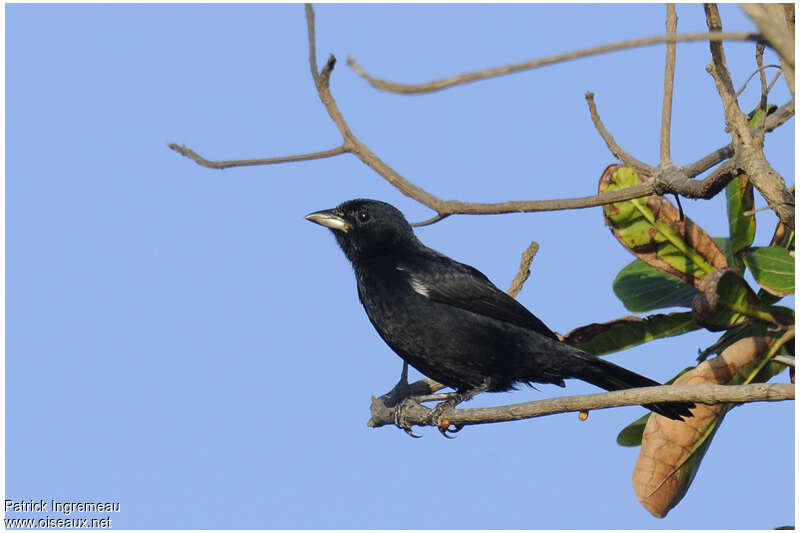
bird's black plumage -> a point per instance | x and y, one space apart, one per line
449 321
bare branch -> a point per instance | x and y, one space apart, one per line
524 269
528 65
748 151
444 208
430 221
762 103
669 84
200 160
709 394
759 70
360 150
772 83
772 31
616 150
778 29
712 184
779 117
452 207
312 43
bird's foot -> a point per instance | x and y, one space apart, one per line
435 416
399 416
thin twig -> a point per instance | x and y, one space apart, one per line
669 85
461 79
709 394
200 160
772 83
524 269
762 103
430 221
312 42
757 71
616 150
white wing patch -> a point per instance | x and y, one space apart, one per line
416 284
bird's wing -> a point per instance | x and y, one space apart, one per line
446 281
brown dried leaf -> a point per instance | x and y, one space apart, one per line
653 230
672 450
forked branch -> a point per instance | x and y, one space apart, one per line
675 183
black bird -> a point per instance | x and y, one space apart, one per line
447 320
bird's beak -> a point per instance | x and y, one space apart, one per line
330 219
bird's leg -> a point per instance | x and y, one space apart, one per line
400 390
435 414
400 397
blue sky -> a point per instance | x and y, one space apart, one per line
181 341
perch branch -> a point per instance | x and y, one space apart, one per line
709 394
461 79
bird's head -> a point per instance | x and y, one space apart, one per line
365 228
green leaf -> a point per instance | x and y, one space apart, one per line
626 332
631 435
726 300
746 329
773 269
725 245
739 194
642 288
654 230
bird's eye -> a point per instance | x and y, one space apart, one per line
363 216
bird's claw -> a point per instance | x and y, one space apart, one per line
443 425
434 417
399 419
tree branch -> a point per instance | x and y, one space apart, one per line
709 394
748 151
312 42
772 31
200 160
461 79
524 269
616 150
669 84
444 208
779 117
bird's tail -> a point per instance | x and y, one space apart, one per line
611 377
